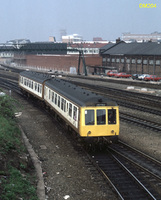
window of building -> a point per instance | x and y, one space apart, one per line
117 60
122 60
128 60
113 60
139 61
133 61
145 62
151 62
157 62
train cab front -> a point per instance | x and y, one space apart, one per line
99 123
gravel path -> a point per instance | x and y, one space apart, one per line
66 175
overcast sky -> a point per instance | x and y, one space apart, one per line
38 19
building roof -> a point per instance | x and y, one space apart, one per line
106 47
122 48
45 47
36 48
86 45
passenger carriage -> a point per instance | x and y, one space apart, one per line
33 83
88 114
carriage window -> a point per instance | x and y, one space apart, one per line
89 117
36 86
111 116
49 94
55 98
59 101
101 117
52 96
70 109
75 113
21 79
32 84
62 103
40 89
45 91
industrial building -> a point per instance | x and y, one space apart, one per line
99 58
154 37
133 57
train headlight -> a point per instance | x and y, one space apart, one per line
112 131
88 133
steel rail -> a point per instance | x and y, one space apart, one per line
134 177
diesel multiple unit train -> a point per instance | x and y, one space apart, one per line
90 115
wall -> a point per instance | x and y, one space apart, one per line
126 64
61 62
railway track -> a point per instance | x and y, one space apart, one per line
131 173
10 85
141 122
143 102
126 172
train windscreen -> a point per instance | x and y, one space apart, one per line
89 117
111 116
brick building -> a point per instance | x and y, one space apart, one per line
133 57
58 56
62 62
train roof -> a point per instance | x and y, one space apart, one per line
36 76
77 94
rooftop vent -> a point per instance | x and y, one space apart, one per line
100 100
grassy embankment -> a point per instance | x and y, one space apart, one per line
16 170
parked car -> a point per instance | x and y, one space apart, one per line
152 78
142 76
122 75
135 76
111 73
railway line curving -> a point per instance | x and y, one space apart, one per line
153 193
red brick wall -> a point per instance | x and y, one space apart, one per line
61 62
